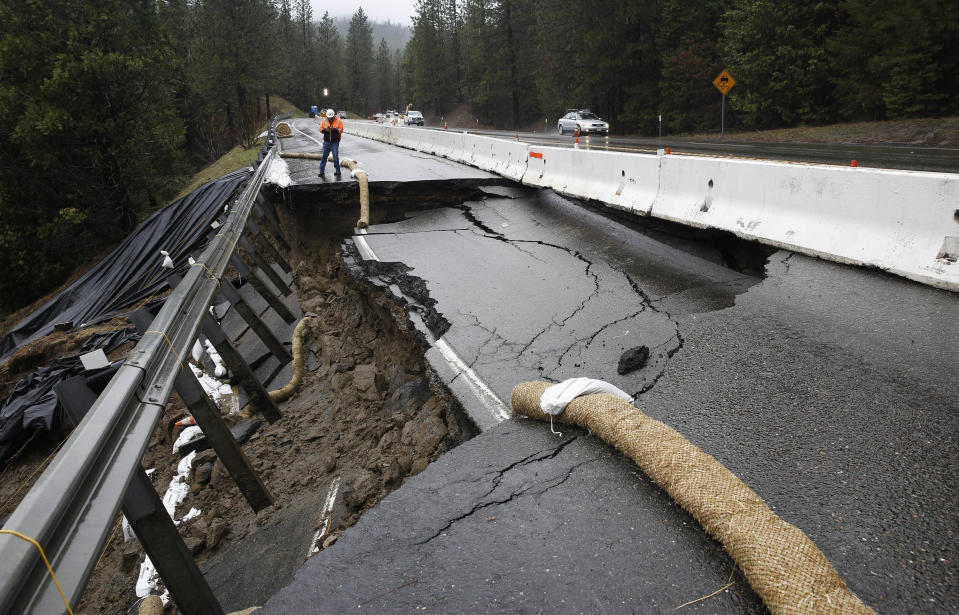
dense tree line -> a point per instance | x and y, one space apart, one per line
516 62
107 105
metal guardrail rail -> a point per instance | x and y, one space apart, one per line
71 509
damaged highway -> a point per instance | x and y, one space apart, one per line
403 481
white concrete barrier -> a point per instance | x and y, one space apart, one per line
404 137
625 181
904 222
898 221
446 144
506 158
427 142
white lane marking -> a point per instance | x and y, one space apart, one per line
326 515
365 250
293 126
480 389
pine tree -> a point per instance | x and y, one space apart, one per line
330 74
359 63
894 60
93 136
384 77
688 39
777 54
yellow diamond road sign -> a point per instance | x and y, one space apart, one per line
724 82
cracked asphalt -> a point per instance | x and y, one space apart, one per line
501 525
829 390
536 287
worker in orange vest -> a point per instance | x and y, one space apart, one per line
332 130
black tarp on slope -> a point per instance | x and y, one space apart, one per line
132 272
32 405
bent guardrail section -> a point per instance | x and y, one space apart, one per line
71 509
903 222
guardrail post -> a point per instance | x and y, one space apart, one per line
259 397
72 507
265 242
271 226
271 273
267 213
208 418
150 521
278 306
256 323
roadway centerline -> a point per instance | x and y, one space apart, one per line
623 148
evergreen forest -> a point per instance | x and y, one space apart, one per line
108 105
518 62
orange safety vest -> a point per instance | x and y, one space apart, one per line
337 123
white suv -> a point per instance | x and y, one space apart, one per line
413 117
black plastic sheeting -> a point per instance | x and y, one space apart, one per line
32 405
132 272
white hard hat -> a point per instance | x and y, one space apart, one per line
330 113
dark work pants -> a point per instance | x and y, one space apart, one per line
333 146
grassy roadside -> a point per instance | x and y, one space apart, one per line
236 158
926 132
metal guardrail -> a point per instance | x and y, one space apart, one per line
71 509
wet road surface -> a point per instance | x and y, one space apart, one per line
890 156
829 390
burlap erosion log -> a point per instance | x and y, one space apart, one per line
361 177
785 568
299 351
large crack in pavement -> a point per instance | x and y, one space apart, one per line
572 338
498 476
647 302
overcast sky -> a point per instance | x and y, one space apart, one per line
397 11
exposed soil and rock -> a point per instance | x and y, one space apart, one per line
369 413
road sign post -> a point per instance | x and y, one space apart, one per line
724 82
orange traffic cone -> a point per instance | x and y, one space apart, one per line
185 422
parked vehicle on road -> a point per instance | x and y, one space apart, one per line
585 120
413 117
